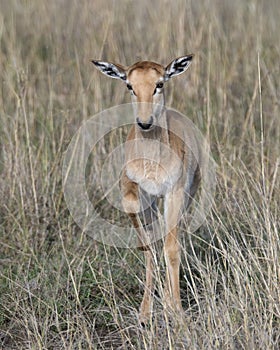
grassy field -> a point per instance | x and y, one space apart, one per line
59 289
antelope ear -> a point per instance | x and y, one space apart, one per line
177 66
115 71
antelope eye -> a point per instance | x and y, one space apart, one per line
129 86
158 86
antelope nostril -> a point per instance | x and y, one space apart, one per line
146 125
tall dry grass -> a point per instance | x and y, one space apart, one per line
60 289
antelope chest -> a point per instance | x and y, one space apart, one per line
156 177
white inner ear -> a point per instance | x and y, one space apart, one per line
111 70
178 66
172 70
118 73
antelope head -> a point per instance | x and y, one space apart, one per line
145 80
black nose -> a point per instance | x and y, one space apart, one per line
145 126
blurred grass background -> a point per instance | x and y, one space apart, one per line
60 289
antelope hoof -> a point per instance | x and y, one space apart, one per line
144 319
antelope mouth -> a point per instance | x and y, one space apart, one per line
145 126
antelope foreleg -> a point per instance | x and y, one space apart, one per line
173 207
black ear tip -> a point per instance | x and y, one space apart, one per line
93 61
